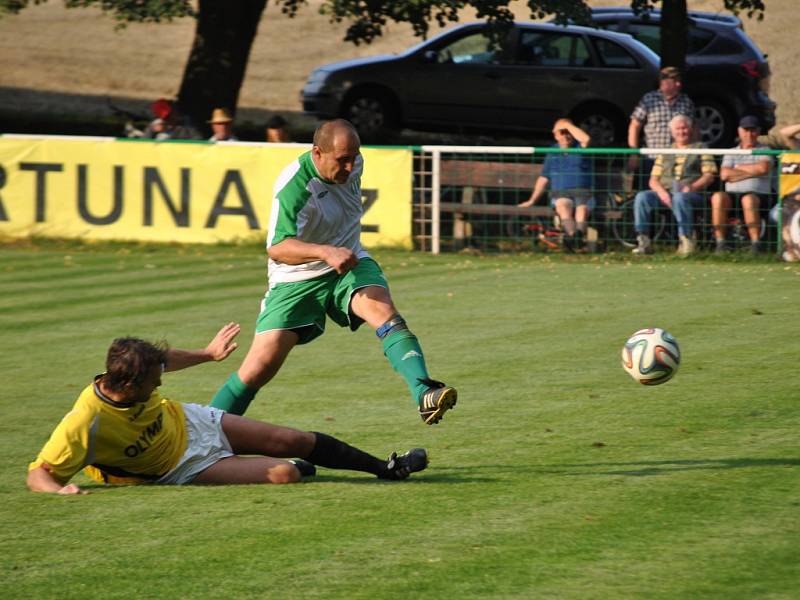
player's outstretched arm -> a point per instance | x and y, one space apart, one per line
40 480
219 348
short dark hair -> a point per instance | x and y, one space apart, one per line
129 360
276 122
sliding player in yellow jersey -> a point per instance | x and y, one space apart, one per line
122 431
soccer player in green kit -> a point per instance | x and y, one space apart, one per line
317 267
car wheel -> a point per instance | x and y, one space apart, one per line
600 125
371 114
714 123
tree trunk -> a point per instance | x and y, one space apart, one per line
215 70
674 34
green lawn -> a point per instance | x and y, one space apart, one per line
556 476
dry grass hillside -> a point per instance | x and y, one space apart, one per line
67 62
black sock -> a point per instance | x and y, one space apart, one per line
336 454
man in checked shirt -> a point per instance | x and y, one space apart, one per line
652 117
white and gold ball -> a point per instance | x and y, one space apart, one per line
651 356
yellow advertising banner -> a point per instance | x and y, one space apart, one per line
107 189
790 174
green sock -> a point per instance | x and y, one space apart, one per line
234 396
405 355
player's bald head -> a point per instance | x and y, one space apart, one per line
336 149
329 132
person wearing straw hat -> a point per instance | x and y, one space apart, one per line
221 123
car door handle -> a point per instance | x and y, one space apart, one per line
491 75
579 78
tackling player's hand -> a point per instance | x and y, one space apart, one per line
341 259
71 490
222 345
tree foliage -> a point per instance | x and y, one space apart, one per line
122 11
226 29
368 18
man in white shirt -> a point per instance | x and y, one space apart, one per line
747 180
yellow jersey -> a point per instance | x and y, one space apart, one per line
116 442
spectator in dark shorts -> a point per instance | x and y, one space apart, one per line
569 176
747 180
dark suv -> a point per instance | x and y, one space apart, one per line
726 76
460 81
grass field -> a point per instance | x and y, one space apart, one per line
556 476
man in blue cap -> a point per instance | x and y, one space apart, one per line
747 180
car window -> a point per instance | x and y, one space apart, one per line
471 49
552 50
649 35
614 55
723 45
699 39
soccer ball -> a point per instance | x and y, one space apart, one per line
651 356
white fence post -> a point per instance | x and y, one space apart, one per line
435 201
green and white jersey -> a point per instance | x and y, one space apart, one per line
307 207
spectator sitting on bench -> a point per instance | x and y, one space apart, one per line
570 178
747 179
676 181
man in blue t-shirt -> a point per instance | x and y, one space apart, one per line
569 176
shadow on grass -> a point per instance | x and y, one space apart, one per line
664 467
363 479
469 474
430 477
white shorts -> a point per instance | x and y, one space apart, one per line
206 444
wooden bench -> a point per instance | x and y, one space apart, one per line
489 174
476 177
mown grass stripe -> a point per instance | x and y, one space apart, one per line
555 476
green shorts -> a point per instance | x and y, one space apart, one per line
302 305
